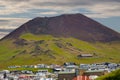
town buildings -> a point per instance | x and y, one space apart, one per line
67 71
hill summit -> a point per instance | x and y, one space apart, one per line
67 25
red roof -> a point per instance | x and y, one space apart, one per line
81 78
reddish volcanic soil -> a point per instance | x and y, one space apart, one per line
69 25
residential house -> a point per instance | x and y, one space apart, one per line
85 55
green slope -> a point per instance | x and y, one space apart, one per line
111 76
34 49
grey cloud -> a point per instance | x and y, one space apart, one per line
70 4
61 6
113 10
4 20
109 0
18 0
2 34
6 30
8 24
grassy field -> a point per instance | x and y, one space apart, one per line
35 49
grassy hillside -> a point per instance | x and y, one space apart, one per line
112 76
34 49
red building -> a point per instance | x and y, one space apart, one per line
81 78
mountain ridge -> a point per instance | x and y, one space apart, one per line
67 25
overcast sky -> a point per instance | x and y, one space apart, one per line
14 13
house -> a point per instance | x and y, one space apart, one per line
66 76
57 69
97 67
41 66
69 63
26 72
81 78
95 72
85 55
43 71
84 66
89 75
16 72
70 67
